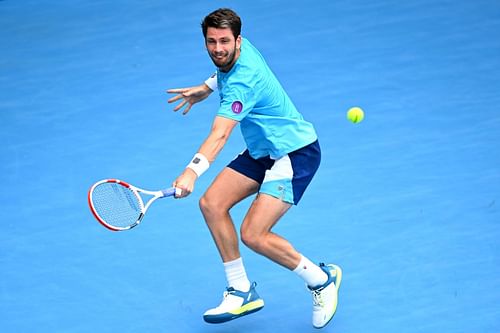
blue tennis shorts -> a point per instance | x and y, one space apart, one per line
286 178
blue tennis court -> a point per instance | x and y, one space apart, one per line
406 202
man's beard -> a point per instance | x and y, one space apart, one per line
230 59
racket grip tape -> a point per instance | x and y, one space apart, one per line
169 192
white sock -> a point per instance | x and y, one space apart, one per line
310 273
236 275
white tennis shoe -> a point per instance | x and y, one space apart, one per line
235 304
325 297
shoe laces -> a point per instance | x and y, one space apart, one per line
228 292
317 299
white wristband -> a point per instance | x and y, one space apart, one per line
199 164
211 82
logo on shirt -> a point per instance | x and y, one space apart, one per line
237 107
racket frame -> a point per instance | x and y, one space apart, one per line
137 192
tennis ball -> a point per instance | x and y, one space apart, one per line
355 114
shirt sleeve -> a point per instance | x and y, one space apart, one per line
237 101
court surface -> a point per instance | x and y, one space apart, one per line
407 202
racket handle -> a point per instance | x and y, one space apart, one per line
169 192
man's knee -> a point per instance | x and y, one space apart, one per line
210 205
206 205
251 238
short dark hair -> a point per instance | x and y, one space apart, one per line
222 18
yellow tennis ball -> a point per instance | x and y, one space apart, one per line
355 114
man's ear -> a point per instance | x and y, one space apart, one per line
238 42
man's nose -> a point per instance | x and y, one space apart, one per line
218 47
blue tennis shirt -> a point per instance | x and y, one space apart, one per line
251 94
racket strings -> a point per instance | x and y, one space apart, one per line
116 205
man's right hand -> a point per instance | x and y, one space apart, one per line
189 96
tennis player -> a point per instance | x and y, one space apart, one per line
281 158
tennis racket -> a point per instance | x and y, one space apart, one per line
119 206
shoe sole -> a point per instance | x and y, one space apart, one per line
246 309
338 280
